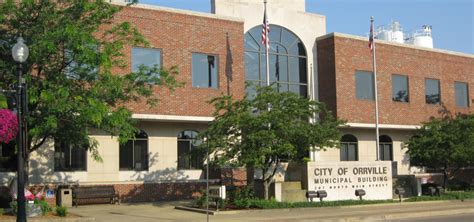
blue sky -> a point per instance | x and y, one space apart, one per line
452 20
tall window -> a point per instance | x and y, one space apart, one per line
146 57
69 157
205 71
349 150
8 159
400 88
287 61
134 153
365 85
386 148
189 156
432 91
462 94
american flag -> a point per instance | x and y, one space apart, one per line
266 29
371 35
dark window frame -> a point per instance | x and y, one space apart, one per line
8 158
141 136
160 65
407 89
372 85
286 83
190 158
384 142
216 65
439 92
346 141
468 104
62 148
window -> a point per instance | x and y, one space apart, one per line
145 57
365 85
400 88
205 71
462 94
287 61
8 158
349 150
69 157
133 155
386 148
189 156
432 90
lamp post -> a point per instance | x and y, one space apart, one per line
20 53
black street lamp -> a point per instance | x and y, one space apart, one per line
20 53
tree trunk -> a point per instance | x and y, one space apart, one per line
266 187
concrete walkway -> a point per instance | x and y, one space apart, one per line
164 211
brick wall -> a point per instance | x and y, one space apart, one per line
178 35
351 54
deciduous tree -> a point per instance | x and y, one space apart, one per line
268 129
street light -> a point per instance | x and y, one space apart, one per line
20 53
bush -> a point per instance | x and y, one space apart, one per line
446 196
45 208
61 211
243 197
201 202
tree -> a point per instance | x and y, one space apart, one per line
74 48
248 132
443 143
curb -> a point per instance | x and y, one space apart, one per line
197 210
73 219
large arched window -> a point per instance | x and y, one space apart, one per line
189 156
349 150
287 61
386 148
133 155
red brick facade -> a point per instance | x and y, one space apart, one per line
178 35
340 57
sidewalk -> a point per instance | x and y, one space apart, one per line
164 211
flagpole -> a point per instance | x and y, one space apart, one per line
374 64
267 44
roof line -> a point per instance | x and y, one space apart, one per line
343 35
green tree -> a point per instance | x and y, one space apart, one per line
76 49
445 144
248 133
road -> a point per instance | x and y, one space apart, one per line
450 218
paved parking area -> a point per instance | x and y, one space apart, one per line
164 211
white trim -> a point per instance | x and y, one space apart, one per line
335 34
382 126
181 11
173 118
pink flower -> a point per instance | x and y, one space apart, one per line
8 126
39 195
29 195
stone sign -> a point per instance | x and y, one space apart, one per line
341 179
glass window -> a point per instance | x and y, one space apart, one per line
365 85
146 57
400 88
133 154
189 156
462 94
386 148
8 158
69 157
349 150
287 60
205 71
432 91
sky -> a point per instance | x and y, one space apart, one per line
452 20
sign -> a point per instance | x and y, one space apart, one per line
217 192
49 193
341 179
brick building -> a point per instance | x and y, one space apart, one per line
217 53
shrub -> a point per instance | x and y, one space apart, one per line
61 211
243 197
45 208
